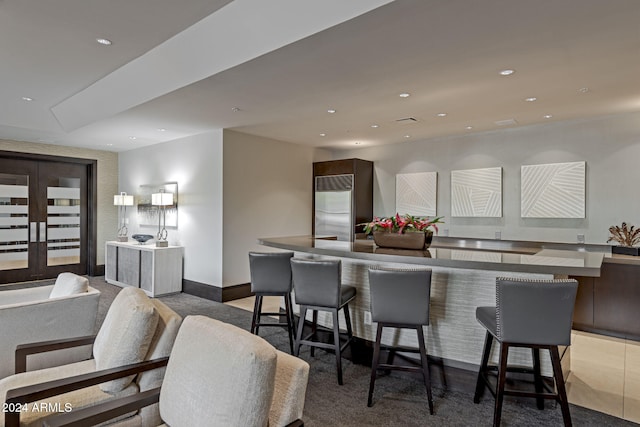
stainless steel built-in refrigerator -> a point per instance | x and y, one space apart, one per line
334 206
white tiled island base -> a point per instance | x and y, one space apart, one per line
156 270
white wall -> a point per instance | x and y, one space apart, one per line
267 193
107 165
195 163
610 146
233 188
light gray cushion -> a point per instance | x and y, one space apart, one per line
217 374
168 325
292 375
125 334
69 284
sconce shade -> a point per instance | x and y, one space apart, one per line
122 199
162 199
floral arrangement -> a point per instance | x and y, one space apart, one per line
626 236
402 224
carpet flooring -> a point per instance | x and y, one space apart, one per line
399 400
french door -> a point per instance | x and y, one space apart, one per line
43 219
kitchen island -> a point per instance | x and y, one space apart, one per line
463 278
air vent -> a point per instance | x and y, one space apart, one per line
334 183
508 122
406 120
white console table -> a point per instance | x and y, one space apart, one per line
157 271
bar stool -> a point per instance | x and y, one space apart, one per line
400 299
271 276
536 314
317 286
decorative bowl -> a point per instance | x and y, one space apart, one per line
142 238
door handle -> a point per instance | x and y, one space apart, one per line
33 232
43 232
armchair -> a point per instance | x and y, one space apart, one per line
136 328
217 375
64 310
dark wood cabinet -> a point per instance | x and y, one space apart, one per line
362 171
610 304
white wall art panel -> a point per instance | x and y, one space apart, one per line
476 192
416 193
555 190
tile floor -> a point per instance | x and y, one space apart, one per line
605 371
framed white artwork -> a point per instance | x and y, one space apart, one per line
476 193
416 193
554 190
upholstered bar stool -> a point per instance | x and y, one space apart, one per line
317 287
271 276
400 299
535 314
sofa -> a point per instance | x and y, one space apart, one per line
66 309
135 329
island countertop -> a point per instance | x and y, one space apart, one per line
465 253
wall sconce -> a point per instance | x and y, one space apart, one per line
122 200
162 200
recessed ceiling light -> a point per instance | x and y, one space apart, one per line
583 90
323 134
105 42
441 115
531 99
26 98
407 136
235 109
404 95
358 143
375 126
468 127
506 72
132 138
109 145
161 130
331 111
547 116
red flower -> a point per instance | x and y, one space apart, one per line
402 223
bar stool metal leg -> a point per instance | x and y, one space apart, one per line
562 392
482 372
347 319
375 363
257 310
336 342
314 329
288 311
425 366
537 376
303 315
502 379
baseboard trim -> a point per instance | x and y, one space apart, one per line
215 293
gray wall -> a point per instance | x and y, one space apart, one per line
609 145
195 163
267 193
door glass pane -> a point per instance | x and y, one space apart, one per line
63 221
14 221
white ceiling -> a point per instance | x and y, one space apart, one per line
186 66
